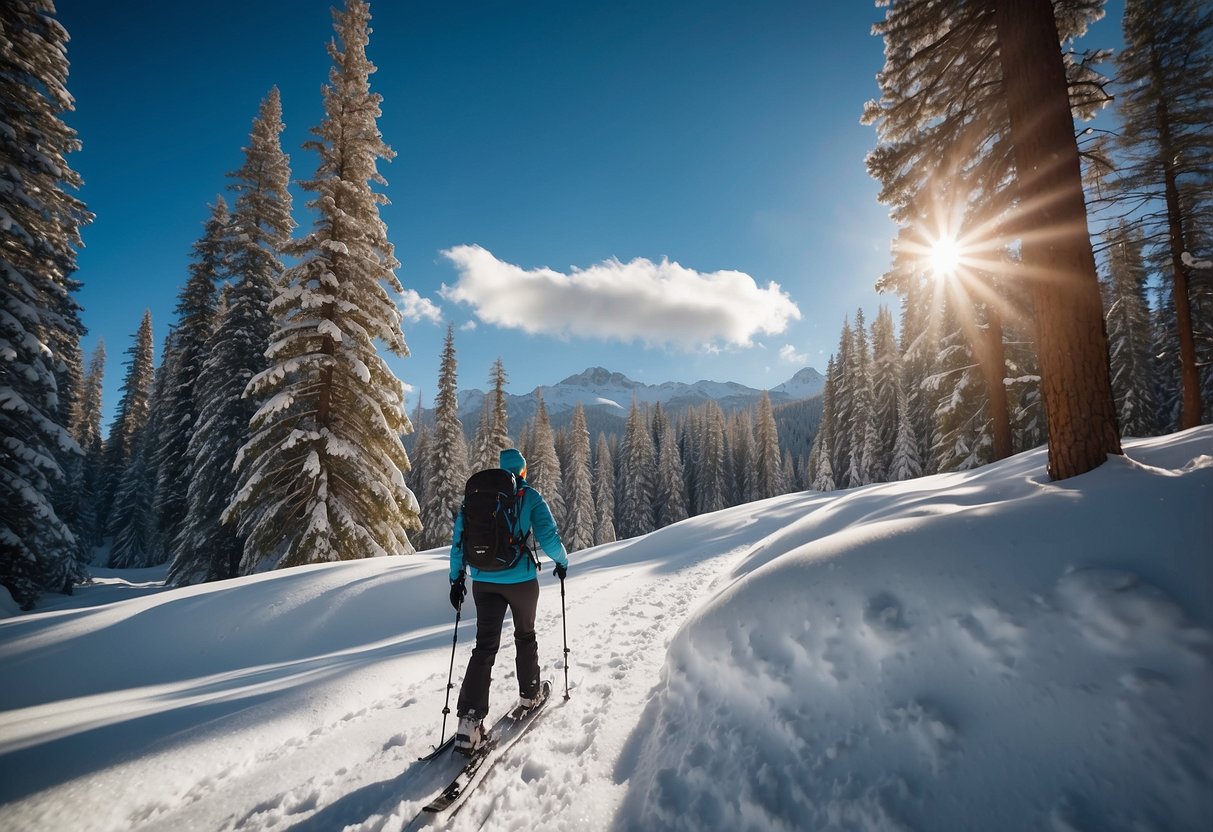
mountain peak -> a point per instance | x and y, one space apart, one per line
597 377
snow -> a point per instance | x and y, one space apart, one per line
979 650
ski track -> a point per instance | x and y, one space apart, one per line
579 741
359 771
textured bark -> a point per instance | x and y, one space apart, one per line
994 367
1188 371
1056 246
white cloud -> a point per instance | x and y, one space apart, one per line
416 308
788 353
654 303
468 325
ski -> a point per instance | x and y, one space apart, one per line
505 732
446 744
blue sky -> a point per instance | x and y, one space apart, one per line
706 156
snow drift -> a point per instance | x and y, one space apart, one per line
983 650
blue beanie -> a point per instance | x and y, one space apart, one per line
513 461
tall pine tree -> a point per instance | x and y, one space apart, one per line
604 493
671 491
323 474
92 443
205 548
133 410
711 487
41 221
195 324
493 434
579 516
768 461
1166 72
543 465
133 522
1129 334
447 463
636 486
998 145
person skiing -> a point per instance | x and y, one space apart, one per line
516 588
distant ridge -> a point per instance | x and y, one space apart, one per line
611 394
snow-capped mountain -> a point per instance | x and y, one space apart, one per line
612 393
804 385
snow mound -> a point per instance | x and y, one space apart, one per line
993 651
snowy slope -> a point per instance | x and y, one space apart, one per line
985 650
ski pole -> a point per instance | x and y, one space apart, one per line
565 630
446 708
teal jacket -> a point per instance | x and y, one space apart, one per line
534 517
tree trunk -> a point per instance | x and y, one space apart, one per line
994 368
1188 371
1056 244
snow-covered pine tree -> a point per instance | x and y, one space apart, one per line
657 425
543 465
205 548
580 518
821 439
1129 334
195 323
526 438
93 445
493 434
447 464
133 410
38 317
133 521
671 496
420 453
63 340
906 463
637 465
871 450
711 486
921 314
604 493
741 453
843 397
768 461
962 426
821 465
886 372
791 477
69 373
859 375
323 474
690 432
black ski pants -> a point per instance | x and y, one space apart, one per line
492 600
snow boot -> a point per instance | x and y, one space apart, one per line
469 736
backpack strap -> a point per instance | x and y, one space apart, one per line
530 534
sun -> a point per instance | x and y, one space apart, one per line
944 257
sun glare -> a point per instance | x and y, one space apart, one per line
944 257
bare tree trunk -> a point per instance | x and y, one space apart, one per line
1188 371
1056 245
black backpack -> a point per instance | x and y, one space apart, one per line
491 542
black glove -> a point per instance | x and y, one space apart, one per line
459 591
560 571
